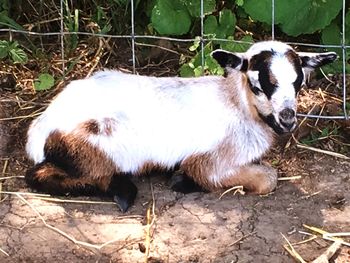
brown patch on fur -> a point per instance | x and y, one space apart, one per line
257 179
91 127
48 170
76 155
106 127
202 167
236 85
109 126
293 57
148 167
272 78
199 167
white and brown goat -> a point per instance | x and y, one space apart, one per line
100 129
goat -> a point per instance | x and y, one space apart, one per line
100 129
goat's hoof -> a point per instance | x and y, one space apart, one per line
123 191
123 203
180 182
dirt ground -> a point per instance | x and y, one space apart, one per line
198 227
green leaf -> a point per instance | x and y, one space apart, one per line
224 27
237 47
170 17
4 49
210 25
9 22
194 7
45 82
227 23
18 55
240 2
295 17
332 35
186 71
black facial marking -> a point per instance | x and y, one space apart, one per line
261 63
226 59
271 121
297 64
244 66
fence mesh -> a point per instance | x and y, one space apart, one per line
203 39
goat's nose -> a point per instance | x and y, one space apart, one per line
287 118
287 114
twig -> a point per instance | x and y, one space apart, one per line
11 177
23 193
47 197
292 251
328 236
243 237
324 258
305 241
149 225
97 55
4 252
334 154
20 117
326 77
6 162
75 241
339 234
238 188
289 178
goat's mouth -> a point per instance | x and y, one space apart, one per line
288 126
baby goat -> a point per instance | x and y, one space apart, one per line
100 129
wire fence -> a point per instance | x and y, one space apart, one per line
202 38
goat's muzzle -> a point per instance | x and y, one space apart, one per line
287 119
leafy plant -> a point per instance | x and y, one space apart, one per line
72 24
171 17
222 27
45 81
332 35
295 17
316 136
11 50
194 67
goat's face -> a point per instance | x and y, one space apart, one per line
276 73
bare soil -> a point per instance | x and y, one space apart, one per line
198 227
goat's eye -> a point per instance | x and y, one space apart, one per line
256 90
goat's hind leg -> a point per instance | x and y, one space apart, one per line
47 177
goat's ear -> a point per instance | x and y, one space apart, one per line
230 60
315 60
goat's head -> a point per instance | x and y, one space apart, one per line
275 73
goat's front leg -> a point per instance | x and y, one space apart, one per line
213 174
257 179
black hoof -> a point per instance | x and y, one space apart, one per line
124 191
180 182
